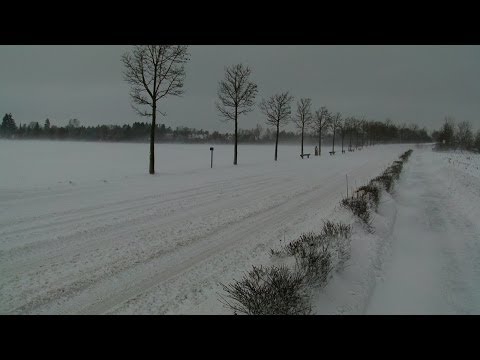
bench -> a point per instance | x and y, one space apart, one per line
307 155
331 152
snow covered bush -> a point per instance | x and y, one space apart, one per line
313 259
268 291
385 180
336 230
404 157
359 206
395 169
371 192
316 255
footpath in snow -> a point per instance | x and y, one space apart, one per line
432 262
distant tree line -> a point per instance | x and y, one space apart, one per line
372 133
457 136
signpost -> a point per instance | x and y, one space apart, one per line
211 157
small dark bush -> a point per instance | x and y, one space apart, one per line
385 179
371 192
336 230
268 291
301 244
314 263
358 206
395 170
404 157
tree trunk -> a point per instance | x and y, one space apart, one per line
302 139
276 141
343 136
236 128
320 142
152 140
333 142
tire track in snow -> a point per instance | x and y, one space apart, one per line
108 296
128 270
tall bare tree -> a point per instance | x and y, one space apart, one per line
464 136
343 126
364 127
154 72
277 109
335 121
303 117
237 95
356 128
349 127
359 130
320 122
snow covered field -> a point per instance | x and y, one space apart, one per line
85 229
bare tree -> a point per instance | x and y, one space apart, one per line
358 130
343 126
303 117
154 72
477 142
354 129
320 123
464 135
277 109
335 121
349 128
237 94
364 127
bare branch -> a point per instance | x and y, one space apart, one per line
154 72
236 93
303 117
277 109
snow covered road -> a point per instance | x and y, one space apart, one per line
434 261
161 244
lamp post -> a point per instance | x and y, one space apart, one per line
211 157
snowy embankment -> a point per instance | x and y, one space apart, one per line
433 260
84 229
424 257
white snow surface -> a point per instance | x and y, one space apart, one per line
424 257
85 230
433 265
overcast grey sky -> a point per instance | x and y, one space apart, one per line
420 84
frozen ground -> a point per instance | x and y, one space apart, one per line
434 262
424 257
84 229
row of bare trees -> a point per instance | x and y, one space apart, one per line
157 71
237 95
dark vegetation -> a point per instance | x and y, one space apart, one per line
140 132
456 137
283 291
